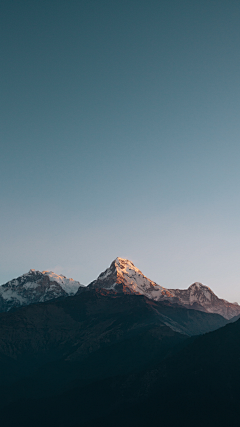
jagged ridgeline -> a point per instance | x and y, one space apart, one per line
35 286
121 276
74 355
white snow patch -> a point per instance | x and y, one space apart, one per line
68 285
136 280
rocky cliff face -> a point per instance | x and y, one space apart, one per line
123 276
200 297
35 286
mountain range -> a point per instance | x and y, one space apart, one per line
120 351
121 276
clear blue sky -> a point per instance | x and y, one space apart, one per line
120 136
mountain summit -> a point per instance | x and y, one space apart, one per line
35 286
123 276
201 297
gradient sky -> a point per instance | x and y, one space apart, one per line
120 136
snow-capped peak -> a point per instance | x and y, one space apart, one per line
133 277
123 276
35 286
124 266
198 285
200 293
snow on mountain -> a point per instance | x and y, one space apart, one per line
35 286
70 286
123 276
202 298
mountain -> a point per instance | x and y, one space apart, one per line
88 327
122 351
69 360
123 276
76 327
35 286
95 334
200 297
197 386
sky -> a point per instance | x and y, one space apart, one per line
120 136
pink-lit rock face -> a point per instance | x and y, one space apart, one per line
123 276
202 298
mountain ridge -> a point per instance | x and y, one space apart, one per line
80 357
121 276
109 347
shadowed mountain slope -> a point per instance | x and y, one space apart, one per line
197 385
47 348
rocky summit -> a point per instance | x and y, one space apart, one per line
123 276
201 297
35 286
121 351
